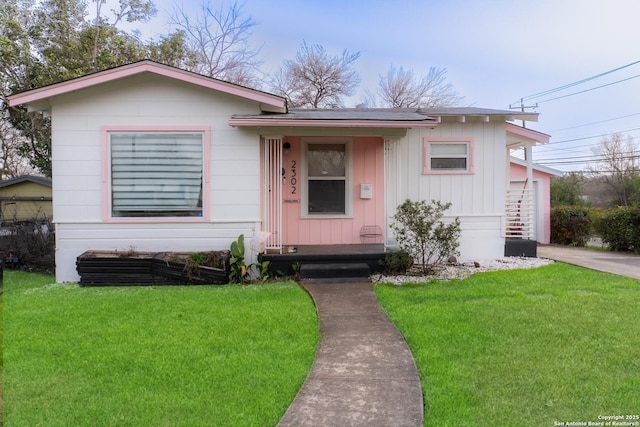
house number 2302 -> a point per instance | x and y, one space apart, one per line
294 180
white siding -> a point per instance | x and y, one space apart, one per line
148 100
477 198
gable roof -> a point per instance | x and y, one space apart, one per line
26 178
38 99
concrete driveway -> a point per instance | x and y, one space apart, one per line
622 264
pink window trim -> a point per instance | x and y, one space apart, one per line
106 165
426 164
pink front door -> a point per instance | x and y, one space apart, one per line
333 190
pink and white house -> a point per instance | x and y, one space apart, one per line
154 158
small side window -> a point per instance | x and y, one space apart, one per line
448 157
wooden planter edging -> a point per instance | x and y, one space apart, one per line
106 268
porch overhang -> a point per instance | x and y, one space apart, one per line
318 130
292 123
518 136
339 118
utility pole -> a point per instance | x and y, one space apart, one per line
527 151
522 107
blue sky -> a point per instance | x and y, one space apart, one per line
494 51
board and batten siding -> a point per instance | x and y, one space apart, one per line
477 198
148 101
366 167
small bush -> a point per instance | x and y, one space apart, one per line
570 225
619 228
31 242
396 262
420 231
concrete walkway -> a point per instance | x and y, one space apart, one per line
623 264
364 373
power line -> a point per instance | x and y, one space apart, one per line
569 85
595 123
590 137
587 90
587 159
578 150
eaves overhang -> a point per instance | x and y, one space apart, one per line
518 136
39 99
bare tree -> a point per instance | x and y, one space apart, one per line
219 39
12 163
400 88
618 166
316 80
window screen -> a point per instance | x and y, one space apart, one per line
449 156
326 166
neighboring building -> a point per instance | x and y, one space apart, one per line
25 198
154 158
540 189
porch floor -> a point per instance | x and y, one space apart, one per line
353 249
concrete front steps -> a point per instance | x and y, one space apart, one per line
329 263
335 271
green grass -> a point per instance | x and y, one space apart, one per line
523 348
153 356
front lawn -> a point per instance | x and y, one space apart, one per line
523 347
153 356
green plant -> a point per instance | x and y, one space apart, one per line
195 260
396 262
239 272
566 190
420 231
263 269
620 228
198 258
570 225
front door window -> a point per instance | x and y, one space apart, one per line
327 179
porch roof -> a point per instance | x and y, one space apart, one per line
518 136
339 117
374 117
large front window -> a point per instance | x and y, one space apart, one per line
156 174
327 179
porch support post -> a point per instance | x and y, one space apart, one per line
528 153
392 185
272 190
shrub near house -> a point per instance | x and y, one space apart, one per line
570 225
619 228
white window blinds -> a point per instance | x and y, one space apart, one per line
156 174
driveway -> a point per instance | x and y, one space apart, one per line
623 264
